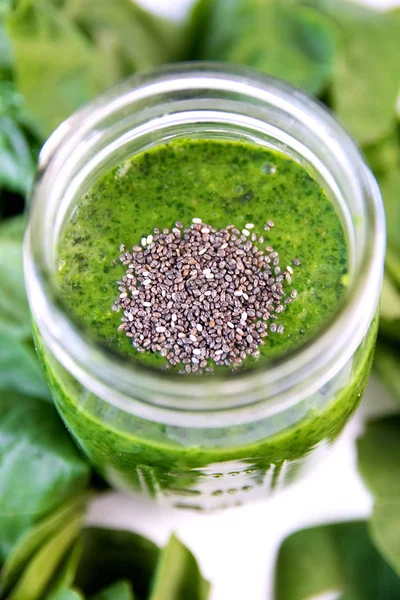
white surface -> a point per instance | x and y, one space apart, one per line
176 8
237 548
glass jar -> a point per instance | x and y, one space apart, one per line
205 442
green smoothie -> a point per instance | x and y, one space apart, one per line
219 184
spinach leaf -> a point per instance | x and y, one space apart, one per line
40 468
67 595
384 528
5 51
379 457
19 367
384 159
16 162
392 262
281 39
389 183
14 310
178 575
78 48
338 560
18 145
366 60
112 27
38 573
389 324
49 49
65 575
110 555
121 590
30 542
387 366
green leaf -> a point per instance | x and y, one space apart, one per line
67 595
338 560
379 457
121 590
385 531
392 263
18 145
5 51
110 555
278 38
78 48
384 159
178 575
49 49
389 323
20 369
35 537
16 163
65 574
367 60
44 564
387 366
390 188
389 183
40 467
125 33
14 310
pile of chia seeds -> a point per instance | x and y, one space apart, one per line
202 297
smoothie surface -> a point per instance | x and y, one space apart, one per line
221 183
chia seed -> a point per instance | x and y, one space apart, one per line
199 295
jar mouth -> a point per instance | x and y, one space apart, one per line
181 96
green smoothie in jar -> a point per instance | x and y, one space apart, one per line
196 259
203 265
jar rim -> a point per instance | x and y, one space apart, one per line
134 387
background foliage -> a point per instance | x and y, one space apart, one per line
56 55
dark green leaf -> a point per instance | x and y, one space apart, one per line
10 204
387 366
278 38
178 575
78 48
40 467
110 555
121 590
367 60
38 573
35 537
379 457
337 559
385 531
